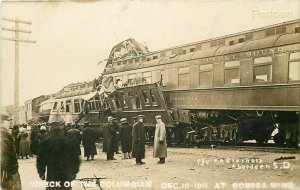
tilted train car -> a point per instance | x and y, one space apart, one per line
68 106
234 88
78 105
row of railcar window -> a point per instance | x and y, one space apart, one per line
76 105
262 72
221 42
139 99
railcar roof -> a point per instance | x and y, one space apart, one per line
276 40
231 35
288 39
75 93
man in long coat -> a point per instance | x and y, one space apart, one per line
10 178
117 128
34 142
126 138
42 136
74 134
160 141
88 142
57 159
139 140
110 138
15 134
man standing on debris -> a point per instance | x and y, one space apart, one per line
160 141
88 141
139 140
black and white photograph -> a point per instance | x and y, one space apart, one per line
150 94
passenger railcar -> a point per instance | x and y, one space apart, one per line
77 105
234 88
45 109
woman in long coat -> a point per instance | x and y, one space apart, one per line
24 149
126 138
160 141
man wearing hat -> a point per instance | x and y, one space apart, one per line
134 119
126 138
75 136
117 129
34 141
139 140
109 138
15 134
24 147
88 141
57 161
68 127
10 178
160 141
42 135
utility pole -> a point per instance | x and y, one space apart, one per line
17 40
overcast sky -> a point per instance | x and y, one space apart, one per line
73 37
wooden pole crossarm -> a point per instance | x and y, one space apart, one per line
16 30
16 20
19 40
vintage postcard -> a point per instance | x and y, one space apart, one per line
152 95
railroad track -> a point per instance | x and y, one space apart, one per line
242 147
261 148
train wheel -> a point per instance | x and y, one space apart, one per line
261 140
149 134
238 137
231 142
171 137
291 143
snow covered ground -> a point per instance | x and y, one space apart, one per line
185 168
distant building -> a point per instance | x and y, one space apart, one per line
32 108
8 109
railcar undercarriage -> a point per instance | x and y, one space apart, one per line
237 127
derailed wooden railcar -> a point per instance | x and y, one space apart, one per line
235 88
78 106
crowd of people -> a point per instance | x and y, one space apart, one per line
57 147
28 137
133 139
